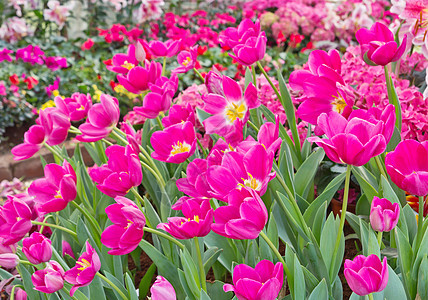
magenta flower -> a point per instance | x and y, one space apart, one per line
378 44
366 275
33 141
31 54
55 62
50 279
84 272
37 248
138 78
196 222
127 231
195 184
76 107
53 192
251 51
384 214
244 217
214 83
66 249
9 260
174 144
229 109
263 282
408 166
252 169
232 36
161 49
102 118
178 114
187 60
160 97
120 174
122 63
354 141
4 55
162 290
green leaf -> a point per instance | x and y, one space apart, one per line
394 289
216 292
28 284
423 278
228 255
191 273
116 282
202 115
96 290
327 243
368 239
405 254
285 168
146 282
132 293
320 292
367 182
395 139
306 173
210 257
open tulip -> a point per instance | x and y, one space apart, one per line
251 51
384 214
195 184
122 63
408 166
163 49
127 231
76 107
138 78
234 36
37 248
366 275
187 60
263 282
162 289
178 114
50 279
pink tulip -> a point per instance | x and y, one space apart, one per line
133 137
9 260
378 45
163 49
138 78
162 290
37 248
122 63
20 294
232 37
174 144
53 192
33 142
214 83
366 275
384 214
252 51
127 231
102 118
263 282
244 217
50 279
230 109
178 114
76 107
196 222
66 249
195 184
160 97
15 220
408 166
187 60
352 142
120 174
84 272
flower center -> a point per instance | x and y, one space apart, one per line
129 224
338 103
180 147
250 182
58 195
195 218
235 111
84 264
128 65
186 61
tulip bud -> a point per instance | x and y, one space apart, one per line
384 214
37 248
140 54
50 279
9 260
162 290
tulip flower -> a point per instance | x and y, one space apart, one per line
244 217
378 45
162 289
138 78
84 272
50 279
214 83
174 144
232 36
20 294
366 275
66 249
187 60
163 49
127 231
384 214
120 174
227 110
122 63
263 282
178 114
354 141
195 184
408 166
8 260
251 51
196 222
102 118
15 220
37 248
76 107
53 192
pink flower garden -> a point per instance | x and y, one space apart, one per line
218 134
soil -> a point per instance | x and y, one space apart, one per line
12 137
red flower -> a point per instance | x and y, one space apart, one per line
202 50
295 40
87 44
281 38
14 79
31 82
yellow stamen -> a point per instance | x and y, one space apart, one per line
338 103
58 195
129 224
127 65
180 147
195 218
235 111
187 61
84 264
250 182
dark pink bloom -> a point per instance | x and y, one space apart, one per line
120 174
138 78
251 51
214 83
31 54
187 60
50 279
378 44
66 249
102 118
195 184
55 62
161 49
232 36
15 220
128 228
37 248
160 97
196 222
162 290
175 143
33 141
178 114
9 260
133 137
53 192
408 166
366 275
354 141
244 216
87 44
76 107
384 214
263 282
4 55
84 272
53 87
122 63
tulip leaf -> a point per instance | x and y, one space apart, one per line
146 282
286 166
405 255
393 98
310 280
367 182
116 282
420 254
184 284
132 292
191 273
320 292
28 284
216 292
228 254
53 296
368 239
285 231
423 278
327 243
395 140
394 289
210 257
306 173
412 226
202 115
96 290
298 281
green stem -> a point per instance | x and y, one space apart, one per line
56 227
370 296
201 265
420 221
202 148
253 70
107 142
270 81
380 167
199 74
141 200
44 221
53 150
165 236
24 262
342 218
379 238
12 293
164 66
68 293
277 254
159 122
88 216
253 126
112 285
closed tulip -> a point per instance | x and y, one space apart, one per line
50 279
384 214
162 290
37 248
